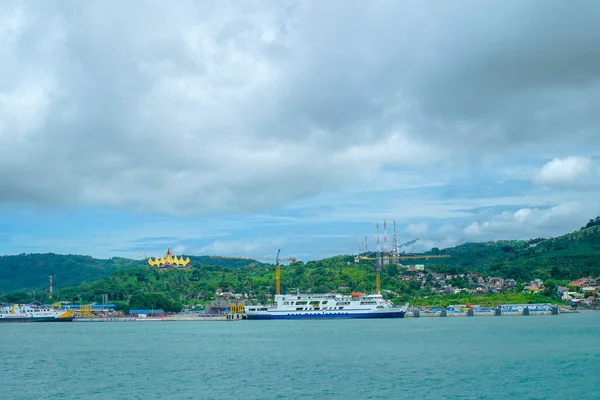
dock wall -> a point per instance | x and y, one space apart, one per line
170 318
501 311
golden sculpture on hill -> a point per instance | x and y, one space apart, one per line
169 261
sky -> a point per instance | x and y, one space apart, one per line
240 128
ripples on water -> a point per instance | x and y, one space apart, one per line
428 358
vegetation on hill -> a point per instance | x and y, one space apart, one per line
569 256
145 286
148 287
129 284
32 271
592 222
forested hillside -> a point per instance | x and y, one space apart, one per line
32 271
172 287
569 256
83 278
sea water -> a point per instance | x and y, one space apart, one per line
527 357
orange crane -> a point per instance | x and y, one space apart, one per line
377 266
277 267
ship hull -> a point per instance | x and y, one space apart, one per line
38 319
349 315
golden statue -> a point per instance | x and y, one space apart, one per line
169 261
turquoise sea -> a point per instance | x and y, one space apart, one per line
534 357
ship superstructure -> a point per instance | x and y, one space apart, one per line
31 313
331 305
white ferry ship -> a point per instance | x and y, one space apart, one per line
313 306
30 313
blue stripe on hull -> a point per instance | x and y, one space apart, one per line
327 316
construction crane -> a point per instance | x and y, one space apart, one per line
406 257
410 242
290 259
377 266
277 266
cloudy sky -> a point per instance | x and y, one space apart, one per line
242 127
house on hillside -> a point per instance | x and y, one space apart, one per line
531 289
581 282
537 282
570 296
589 289
561 290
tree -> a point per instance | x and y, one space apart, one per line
414 285
153 301
18 297
196 275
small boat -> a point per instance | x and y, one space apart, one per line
32 313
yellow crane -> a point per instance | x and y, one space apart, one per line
277 267
406 257
377 267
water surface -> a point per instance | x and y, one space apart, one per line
533 357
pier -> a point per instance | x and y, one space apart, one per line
475 311
166 318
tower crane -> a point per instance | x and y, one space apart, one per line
410 242
277 266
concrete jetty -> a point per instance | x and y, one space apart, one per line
167 318
499 311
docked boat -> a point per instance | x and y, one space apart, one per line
31 313
325 306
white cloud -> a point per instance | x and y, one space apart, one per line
475 228
569 172
241 248
447 229
530 222
333 112
204 107
179 249
417 229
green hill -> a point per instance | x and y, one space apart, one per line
569 256
133 282
32 271
147 286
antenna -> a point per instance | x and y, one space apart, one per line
50 293
377 263
395 249
386 253
377 260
